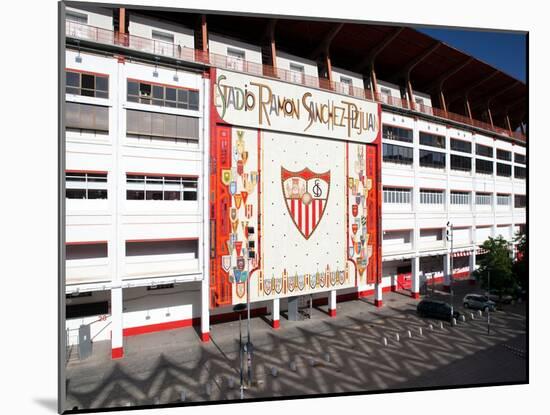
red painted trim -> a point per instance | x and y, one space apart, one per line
332 312
160 84
205 337
121 59
161 240
393 288
86 72
447 288
117 353
87 171
275 324
416 296
183 176
378 303
85 243
169 325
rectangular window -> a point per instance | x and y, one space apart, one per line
85 185
432 159
504 155
460 198
153 124
397 154
87 309
504 170
484 166
162 247
485 151
88 85
520 201
520 158
76 17
164 96
86 117
390 132
235 59
385 91
158 187
297 73
461 163
162 36
461 145
346 84
519 172
85 251
397 195
432 197
504 200
483 198
432 140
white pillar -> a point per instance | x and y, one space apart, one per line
415 277
378 294
275 313
205 310
447 272
117 346
393 279
332 303
472 265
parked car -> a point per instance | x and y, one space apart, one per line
500 297
436 309
479 302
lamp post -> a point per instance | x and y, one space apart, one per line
488 308
238 309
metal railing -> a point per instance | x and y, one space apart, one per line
156 47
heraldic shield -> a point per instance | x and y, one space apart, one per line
306 194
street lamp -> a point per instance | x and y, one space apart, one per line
237 309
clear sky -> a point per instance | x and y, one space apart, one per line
504 51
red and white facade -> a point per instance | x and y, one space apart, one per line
174 205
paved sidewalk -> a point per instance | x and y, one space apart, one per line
330 355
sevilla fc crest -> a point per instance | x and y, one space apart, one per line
306 194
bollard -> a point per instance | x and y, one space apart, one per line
156 401
208 389
472 315
327 357
420 331
453 322
409 334
397 336
441 325
128 403
385 341
431 327
274 371
462 318
480 313
182 396
293 366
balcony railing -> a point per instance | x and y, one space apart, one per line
156 47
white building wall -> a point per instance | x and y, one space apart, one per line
143 26
97 16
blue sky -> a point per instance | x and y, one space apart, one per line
504 51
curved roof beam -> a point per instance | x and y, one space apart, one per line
406 71
324 45
438 83
496 93
466 93
374 52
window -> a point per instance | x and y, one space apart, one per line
485 151
484 166
504 170
460 145
419 101
85 185
519 172
162 36
162 95
520 158
520 201
235 59
73 16
460 198
504 155
432 140
431 197
390 132
86 309
385 91
188 247
461 163
503 200
432 159
158 187
85 250
153 124
397 195
86 117
297 73
87 85
346 85
397 154
483 198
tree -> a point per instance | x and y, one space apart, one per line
521 260
498 263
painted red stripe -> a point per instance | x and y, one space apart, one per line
292 208
306 208
300 204
314 214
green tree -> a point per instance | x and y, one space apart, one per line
522 258
498 263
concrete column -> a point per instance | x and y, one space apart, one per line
117 345
415 277
378 294
472 266
447 272
275 313
393 279
332 303
205 311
